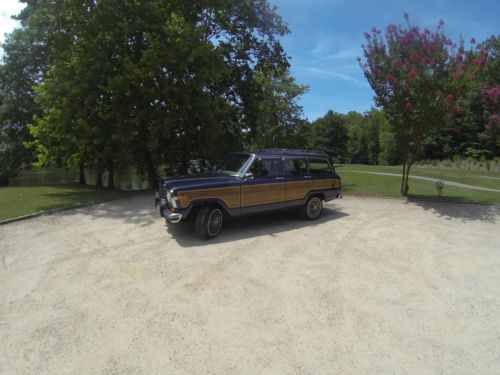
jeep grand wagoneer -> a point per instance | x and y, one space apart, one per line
250 182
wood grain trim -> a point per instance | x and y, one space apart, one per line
256 194
297 189
326 184
229 195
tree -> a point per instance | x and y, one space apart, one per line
363 145
417 76
489 78
162 82
273 116
329 134
23 66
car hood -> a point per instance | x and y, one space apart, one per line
198 182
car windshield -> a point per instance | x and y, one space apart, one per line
234 165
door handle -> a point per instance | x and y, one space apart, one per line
280 178
307 177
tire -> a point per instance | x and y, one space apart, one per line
208 222
312 209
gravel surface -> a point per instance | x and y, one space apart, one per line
373 286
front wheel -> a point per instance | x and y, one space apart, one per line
208 222
312 209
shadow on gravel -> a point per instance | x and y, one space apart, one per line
265 224
455 209
135 209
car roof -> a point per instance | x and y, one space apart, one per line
286 152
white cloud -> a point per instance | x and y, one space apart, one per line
332 74
7 9
338 47
343 54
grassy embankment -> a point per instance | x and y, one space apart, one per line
23 200
357 183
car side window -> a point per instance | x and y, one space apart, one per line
265 168
294 167
319 166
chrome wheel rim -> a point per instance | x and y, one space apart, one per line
214 222
314 207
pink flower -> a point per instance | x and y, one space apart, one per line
358 59
455 109
484 53
409 106
406 15
406 86
367 36
376 70
459 57
412 73
390 77
493 122
491 93
441 23
472 41
449 97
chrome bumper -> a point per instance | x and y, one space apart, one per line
172 217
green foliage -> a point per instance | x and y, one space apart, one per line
417 77
329 134
153 83
22 67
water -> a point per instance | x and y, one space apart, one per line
128 179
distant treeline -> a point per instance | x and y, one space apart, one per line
366 138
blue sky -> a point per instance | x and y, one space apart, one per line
326 38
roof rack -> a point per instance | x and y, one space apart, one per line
287 150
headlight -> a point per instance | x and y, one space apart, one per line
169 195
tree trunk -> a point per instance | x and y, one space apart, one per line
184 161
152 177
406 174
403 177
4 180
111 175
407 187
98 179
83 180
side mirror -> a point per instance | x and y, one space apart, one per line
249 176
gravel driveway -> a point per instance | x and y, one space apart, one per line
373 286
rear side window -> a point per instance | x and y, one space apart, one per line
319 166
266 168
295 167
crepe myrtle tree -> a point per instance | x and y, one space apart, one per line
492 112
418 76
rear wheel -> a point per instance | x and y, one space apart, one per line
312 209
208 222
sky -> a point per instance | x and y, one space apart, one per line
7 9
326 38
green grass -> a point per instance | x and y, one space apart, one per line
23 200
389 186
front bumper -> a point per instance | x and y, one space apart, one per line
164 210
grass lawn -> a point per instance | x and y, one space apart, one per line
389 186
22 200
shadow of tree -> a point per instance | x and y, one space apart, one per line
250 226
456 208
137 208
